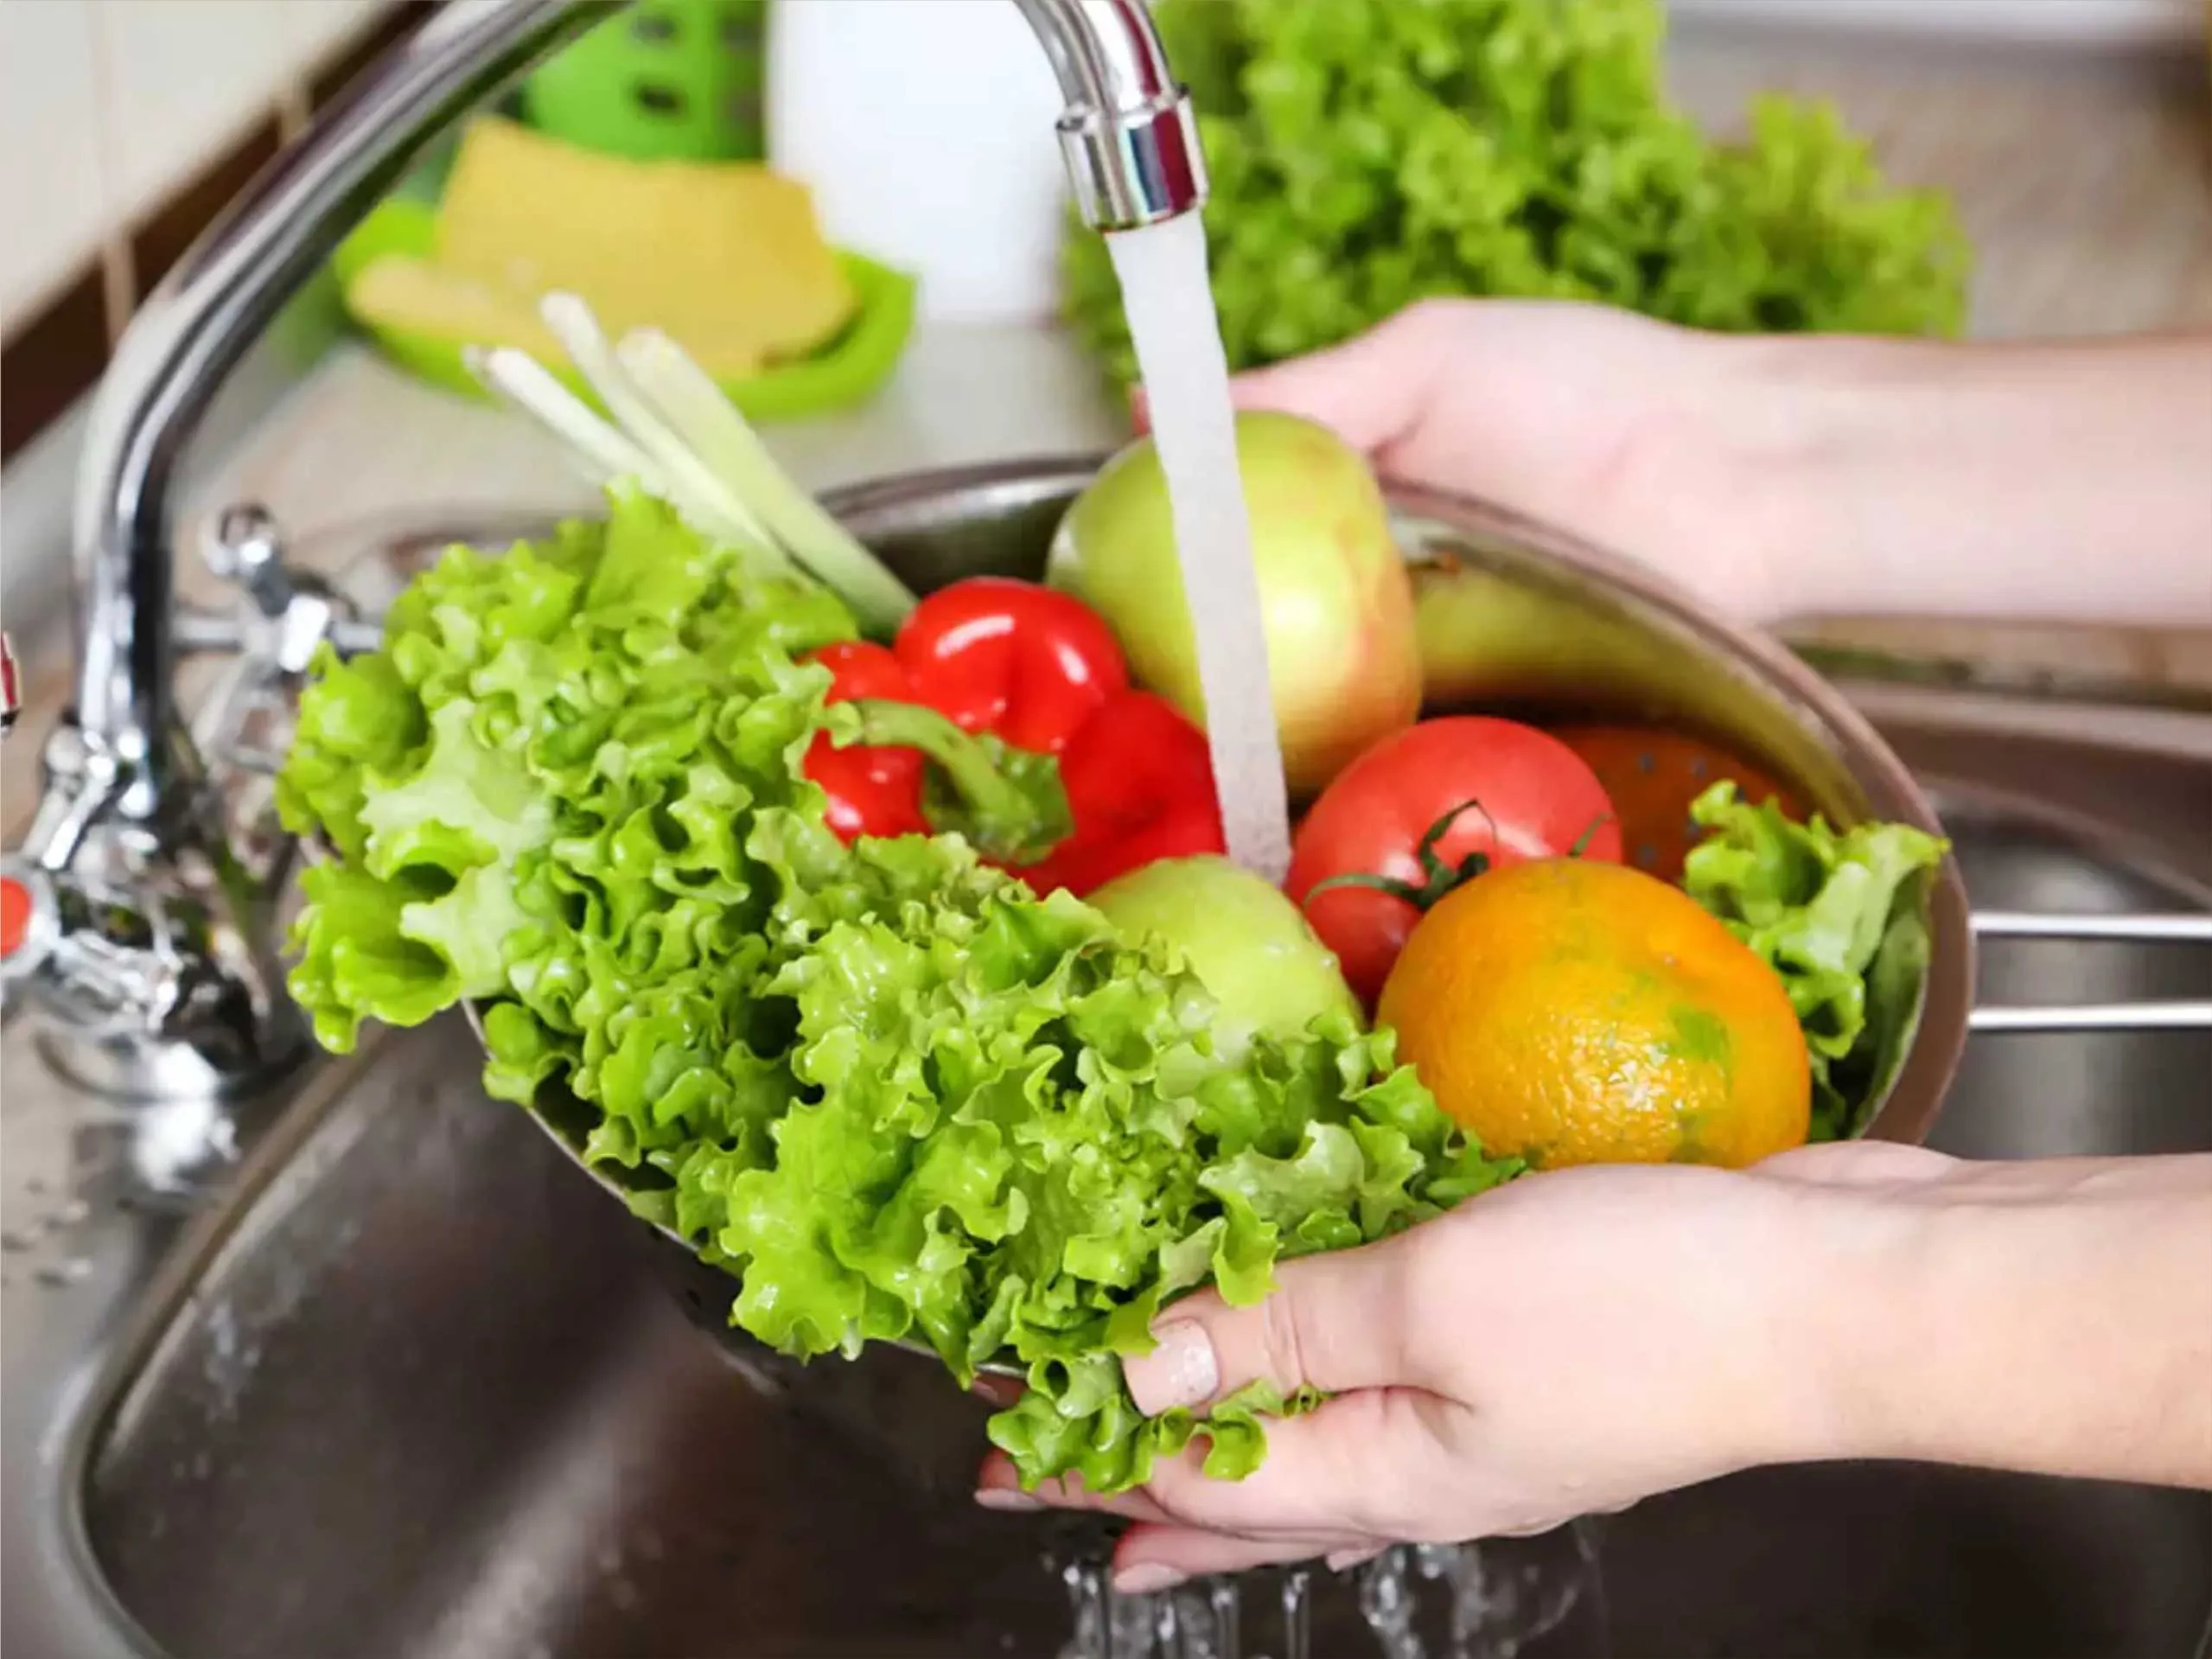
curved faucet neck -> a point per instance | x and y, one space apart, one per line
1126 133
128 807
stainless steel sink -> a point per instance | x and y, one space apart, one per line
414 1389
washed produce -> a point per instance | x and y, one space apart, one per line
989 683
770 918
1426 809
1653 776
1365 155
899 1093
1570 1011
1336 602
1248 942
1833 914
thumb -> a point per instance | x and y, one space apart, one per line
1336 1322
1370 390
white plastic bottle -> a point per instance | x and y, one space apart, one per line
924 129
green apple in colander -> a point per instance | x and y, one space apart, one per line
1336 604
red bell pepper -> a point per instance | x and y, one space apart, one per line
989 682
1139 779
1030 663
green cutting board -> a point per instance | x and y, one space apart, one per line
845 371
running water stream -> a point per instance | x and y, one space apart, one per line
1491 1606
1169 304
1472 1601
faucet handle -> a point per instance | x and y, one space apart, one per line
244 548
106 978
287 617
140 986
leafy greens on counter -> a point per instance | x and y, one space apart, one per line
1365 155
898 1094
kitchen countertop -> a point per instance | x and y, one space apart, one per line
2085 180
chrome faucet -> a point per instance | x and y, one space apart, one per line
151 948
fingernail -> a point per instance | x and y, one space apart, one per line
1012 1499
1145 1578
1180 1371
1346 1559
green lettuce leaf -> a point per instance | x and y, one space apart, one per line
896 1094
1364 156
1840 917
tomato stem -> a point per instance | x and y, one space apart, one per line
1437 877
1583 841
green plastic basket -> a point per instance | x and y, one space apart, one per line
847 371
666 80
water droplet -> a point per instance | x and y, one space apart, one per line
70 1214
1298 1614
1388 1600
16 1238
63 1272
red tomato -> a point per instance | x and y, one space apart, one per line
1533 798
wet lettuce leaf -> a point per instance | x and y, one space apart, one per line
1839 916
898 1095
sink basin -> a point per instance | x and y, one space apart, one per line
406 1383
419 1391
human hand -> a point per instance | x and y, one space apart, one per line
1801 474
1561 1346
1645 439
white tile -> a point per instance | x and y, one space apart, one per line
183 80
52 211
314 29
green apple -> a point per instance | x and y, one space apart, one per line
1336 604
1243 937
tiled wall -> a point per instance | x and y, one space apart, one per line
125 125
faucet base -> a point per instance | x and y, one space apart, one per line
145 1071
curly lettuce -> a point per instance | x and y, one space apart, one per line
896 1094
1365 155
1837 915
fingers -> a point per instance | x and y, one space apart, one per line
1360 1465
1336 1322
1154 1558
1371 391
1346 1471
998 1487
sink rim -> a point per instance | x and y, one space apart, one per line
154 1314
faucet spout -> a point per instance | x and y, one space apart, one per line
1127 133
127 805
